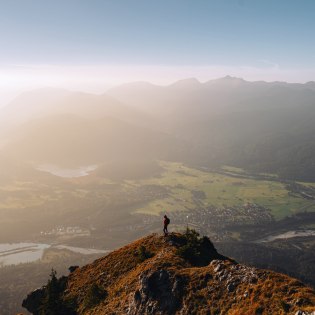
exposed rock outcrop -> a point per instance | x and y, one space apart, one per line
182 275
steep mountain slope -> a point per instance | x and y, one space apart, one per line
51 101
74 140
265 127
259 126
178 274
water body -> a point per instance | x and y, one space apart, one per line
286 235
67 172
17 253
13 254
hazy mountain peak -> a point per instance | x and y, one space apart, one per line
50 101
186 83
226 81
229 78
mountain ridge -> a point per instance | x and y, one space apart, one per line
177 274
228 121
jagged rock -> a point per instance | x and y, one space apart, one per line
33 301
73 268
230 287
170 284
159 292
217 265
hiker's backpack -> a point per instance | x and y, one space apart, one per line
168 221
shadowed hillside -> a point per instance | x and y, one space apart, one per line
260 126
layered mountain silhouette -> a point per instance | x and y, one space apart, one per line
177 274
52 101
259 126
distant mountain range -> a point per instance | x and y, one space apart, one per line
260 126
265 127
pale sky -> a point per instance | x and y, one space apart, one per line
93 45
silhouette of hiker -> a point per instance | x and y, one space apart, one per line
166 223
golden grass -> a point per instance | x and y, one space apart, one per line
119 272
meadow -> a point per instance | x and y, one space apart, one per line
219 190
41 202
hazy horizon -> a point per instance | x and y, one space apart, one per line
8 95
91 48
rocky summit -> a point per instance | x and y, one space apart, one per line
176 274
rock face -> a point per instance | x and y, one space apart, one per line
159 291
33 300
179 274
304 313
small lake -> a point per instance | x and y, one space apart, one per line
17 253
67 172
12 254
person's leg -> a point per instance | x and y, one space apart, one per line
165 230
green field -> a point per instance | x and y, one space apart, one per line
219 190
37 201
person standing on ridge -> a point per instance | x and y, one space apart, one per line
166 223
